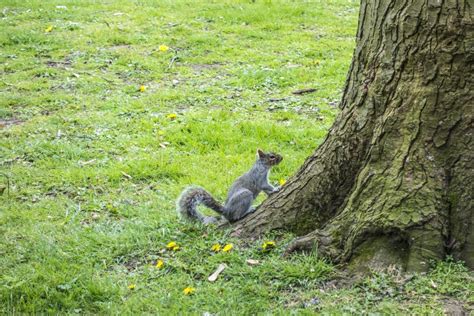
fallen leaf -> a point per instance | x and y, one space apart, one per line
220 268
252 262
84 163
95 215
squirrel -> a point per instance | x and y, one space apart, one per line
241 194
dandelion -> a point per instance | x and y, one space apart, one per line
163 48
171 245
49 29
142 88
228 248
175 248
172 116
216 248
282 182
160 264
268 245
132 287
189 291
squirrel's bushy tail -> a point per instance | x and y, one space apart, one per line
189 200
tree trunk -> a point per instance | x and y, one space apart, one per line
392 183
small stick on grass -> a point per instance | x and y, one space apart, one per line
220 268
304 91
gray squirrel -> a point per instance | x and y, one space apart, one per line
241 194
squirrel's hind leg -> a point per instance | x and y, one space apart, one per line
239 205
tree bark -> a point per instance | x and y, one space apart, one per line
394 177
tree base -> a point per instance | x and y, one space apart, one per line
392 182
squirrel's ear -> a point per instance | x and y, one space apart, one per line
260 153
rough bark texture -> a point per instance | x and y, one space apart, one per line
394 177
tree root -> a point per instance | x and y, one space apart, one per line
318 240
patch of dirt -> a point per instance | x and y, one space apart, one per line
201 67
58 64
341 281
132 264
9 122
119 47
453 307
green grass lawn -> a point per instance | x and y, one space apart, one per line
108 109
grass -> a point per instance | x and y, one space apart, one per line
91 165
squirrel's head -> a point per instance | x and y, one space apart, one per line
269 159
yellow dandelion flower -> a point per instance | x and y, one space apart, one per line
268 245
216 248
175 248
228 248
189 291
172 116
49 29
171 245
132 287
282 182
160 264
163 48
142 88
